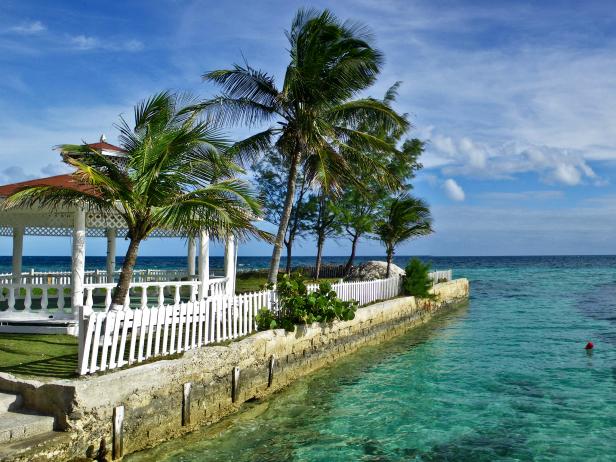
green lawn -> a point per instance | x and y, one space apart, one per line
55 356
250 281
52 356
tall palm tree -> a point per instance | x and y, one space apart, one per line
405 217
316 118
175 178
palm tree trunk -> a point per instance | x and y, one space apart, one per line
126 275
390 256
293 228
351 259
284 219
289 245
320 242
320 235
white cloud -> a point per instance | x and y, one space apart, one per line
567 174
523 195
83 42
86 42
480 160
28 28
57 168
444 144
453 190
28 139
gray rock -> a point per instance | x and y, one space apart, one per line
373 270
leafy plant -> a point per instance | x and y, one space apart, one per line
298 306
417 281
266 319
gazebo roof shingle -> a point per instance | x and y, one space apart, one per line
67 180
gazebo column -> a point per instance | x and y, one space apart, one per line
111 253
230 264
192 251
78 261
204 264
18 249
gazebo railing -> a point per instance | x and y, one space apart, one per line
39 301
92 277
50 301
151 294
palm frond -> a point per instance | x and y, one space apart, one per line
54 197
249 149
228 111
245 82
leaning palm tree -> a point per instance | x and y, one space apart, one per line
175 178
316 121
405 218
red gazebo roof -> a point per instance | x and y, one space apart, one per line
103 145
68 181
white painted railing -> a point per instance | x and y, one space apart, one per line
114 339
109 340
365 292
46 301
152 294
440 276
41 301
93 277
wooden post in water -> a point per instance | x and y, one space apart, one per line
186 404
118 430
235 384
270 375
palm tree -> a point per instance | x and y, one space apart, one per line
358 207
405 218
316 118
175 178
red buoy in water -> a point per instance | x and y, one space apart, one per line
589 346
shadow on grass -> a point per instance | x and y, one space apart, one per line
60 367
49 339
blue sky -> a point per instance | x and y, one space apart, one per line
516 99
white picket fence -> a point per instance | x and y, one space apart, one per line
365 292
109 340
113 339
437 276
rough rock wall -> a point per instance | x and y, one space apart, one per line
152 394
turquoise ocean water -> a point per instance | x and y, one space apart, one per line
504 378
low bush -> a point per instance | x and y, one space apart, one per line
417 281
297 306
266 320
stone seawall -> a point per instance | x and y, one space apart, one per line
153 395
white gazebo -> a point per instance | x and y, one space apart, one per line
43 301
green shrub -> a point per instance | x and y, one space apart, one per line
297 306
265 320
417 282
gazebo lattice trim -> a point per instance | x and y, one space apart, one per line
60 223
7 231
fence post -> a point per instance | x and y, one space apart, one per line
118 433
83 314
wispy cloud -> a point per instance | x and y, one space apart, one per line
453 190
28 28
466 157
523 195
86 42
35 36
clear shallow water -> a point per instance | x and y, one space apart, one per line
504 378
